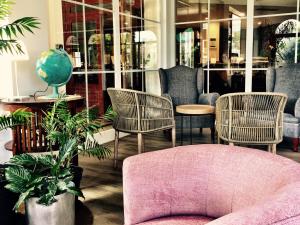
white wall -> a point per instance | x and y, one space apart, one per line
35 43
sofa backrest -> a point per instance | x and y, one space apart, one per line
209 180
286 80
182 83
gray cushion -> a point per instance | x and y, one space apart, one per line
289 118
288 82
182 85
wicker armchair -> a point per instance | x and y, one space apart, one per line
140 113
251 118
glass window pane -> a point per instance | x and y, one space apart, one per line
134 80
227 45
73 33
151 9
274 41
187 11
259 80
191 45
107 4
139 43
226 81
131 7
76 85
267 7
220 9
99 34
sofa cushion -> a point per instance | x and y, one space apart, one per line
289 118
179 220
287 81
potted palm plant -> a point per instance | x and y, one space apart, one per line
46 182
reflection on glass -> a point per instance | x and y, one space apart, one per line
220 9
187 11
99 35
191 45
259 80
134 80
131 7
267 7
139 43
107 4
274 41
227 46
97 86
73 33
226 81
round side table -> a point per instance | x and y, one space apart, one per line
195 110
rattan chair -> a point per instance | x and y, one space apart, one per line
140 113
251 118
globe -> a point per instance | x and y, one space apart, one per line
55 68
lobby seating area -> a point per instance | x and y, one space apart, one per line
149 112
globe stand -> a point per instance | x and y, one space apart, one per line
54 94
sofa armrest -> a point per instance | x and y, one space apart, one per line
281 208
297 108
208 99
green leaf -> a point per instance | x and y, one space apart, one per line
75 191
23 160
17 175
23 197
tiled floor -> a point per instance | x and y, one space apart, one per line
102 185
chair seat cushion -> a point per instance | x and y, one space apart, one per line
289 118
179 220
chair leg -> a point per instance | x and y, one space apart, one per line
231 143
116 148
201 131
269 148
274 149
295 144
140 143
219 140
173 136
212 135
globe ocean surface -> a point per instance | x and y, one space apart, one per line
54 67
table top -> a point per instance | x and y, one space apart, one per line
195 109
38 100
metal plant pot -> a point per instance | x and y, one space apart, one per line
58 213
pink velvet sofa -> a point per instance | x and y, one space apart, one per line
211 184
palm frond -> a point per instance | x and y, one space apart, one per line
110 114
93 148
19 27
10 46
19 117
5 8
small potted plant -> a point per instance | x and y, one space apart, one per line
46 182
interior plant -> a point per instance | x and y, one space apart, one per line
45 177
9 33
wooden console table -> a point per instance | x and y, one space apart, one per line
33 138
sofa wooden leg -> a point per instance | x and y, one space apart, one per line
295 144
